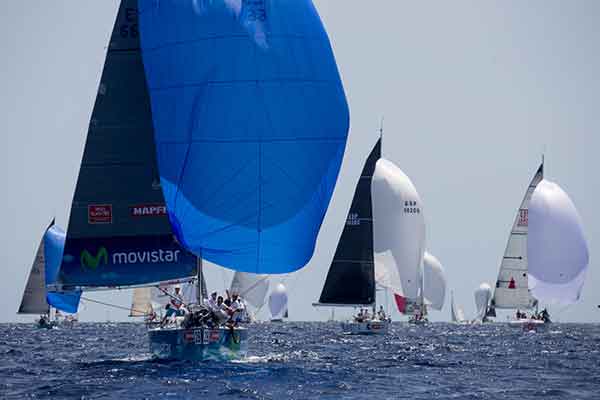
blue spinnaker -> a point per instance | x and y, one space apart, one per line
250 121
54 244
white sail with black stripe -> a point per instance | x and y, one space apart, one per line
511 286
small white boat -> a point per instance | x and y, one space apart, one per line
278 303
526 324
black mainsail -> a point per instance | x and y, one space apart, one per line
351 277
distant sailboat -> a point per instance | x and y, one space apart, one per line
483 298
37 299
350 280
457 314
399 237
278 303
253 289
512 291
434 282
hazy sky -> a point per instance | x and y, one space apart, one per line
472 93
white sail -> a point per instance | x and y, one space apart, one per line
434 282
511 287
557 249
278 301
141 303
252 288
456 312
398 229
34 296
483 295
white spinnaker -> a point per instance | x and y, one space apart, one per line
511 287
278 301
398 228
557 249
252 288
434 282
483 295
456 312
141 304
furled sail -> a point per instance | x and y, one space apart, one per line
118 232
278 302
456 312
250 121
556 248
252 288
511 286
483 295
434 282
399 229
34 296
350 280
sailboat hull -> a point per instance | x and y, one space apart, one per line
366 328
527 324
198 344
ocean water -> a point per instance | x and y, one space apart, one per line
308 361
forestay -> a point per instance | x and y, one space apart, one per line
398 228
511 286
251 122
557 249
252 288
118 232
434 281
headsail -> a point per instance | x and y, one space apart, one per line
350 280
399 229
252 288
278 302
557 250
250 121
118 232
511 287
54 243
434 282
141 304
34 296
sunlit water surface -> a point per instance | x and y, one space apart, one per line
308 361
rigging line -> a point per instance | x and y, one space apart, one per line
112 305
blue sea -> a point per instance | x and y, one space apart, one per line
308 361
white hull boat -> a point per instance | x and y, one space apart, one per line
374 327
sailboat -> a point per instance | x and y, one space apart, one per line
350 281
512 291
456 313
483 297
278 303
252 288
433 284
399 237
37 300
191 155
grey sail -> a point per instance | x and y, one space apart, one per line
511 289
119 233
34 296
351 277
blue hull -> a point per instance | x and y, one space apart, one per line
198 344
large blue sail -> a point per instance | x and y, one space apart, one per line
251 122
119 233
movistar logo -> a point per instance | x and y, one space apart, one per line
89 261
